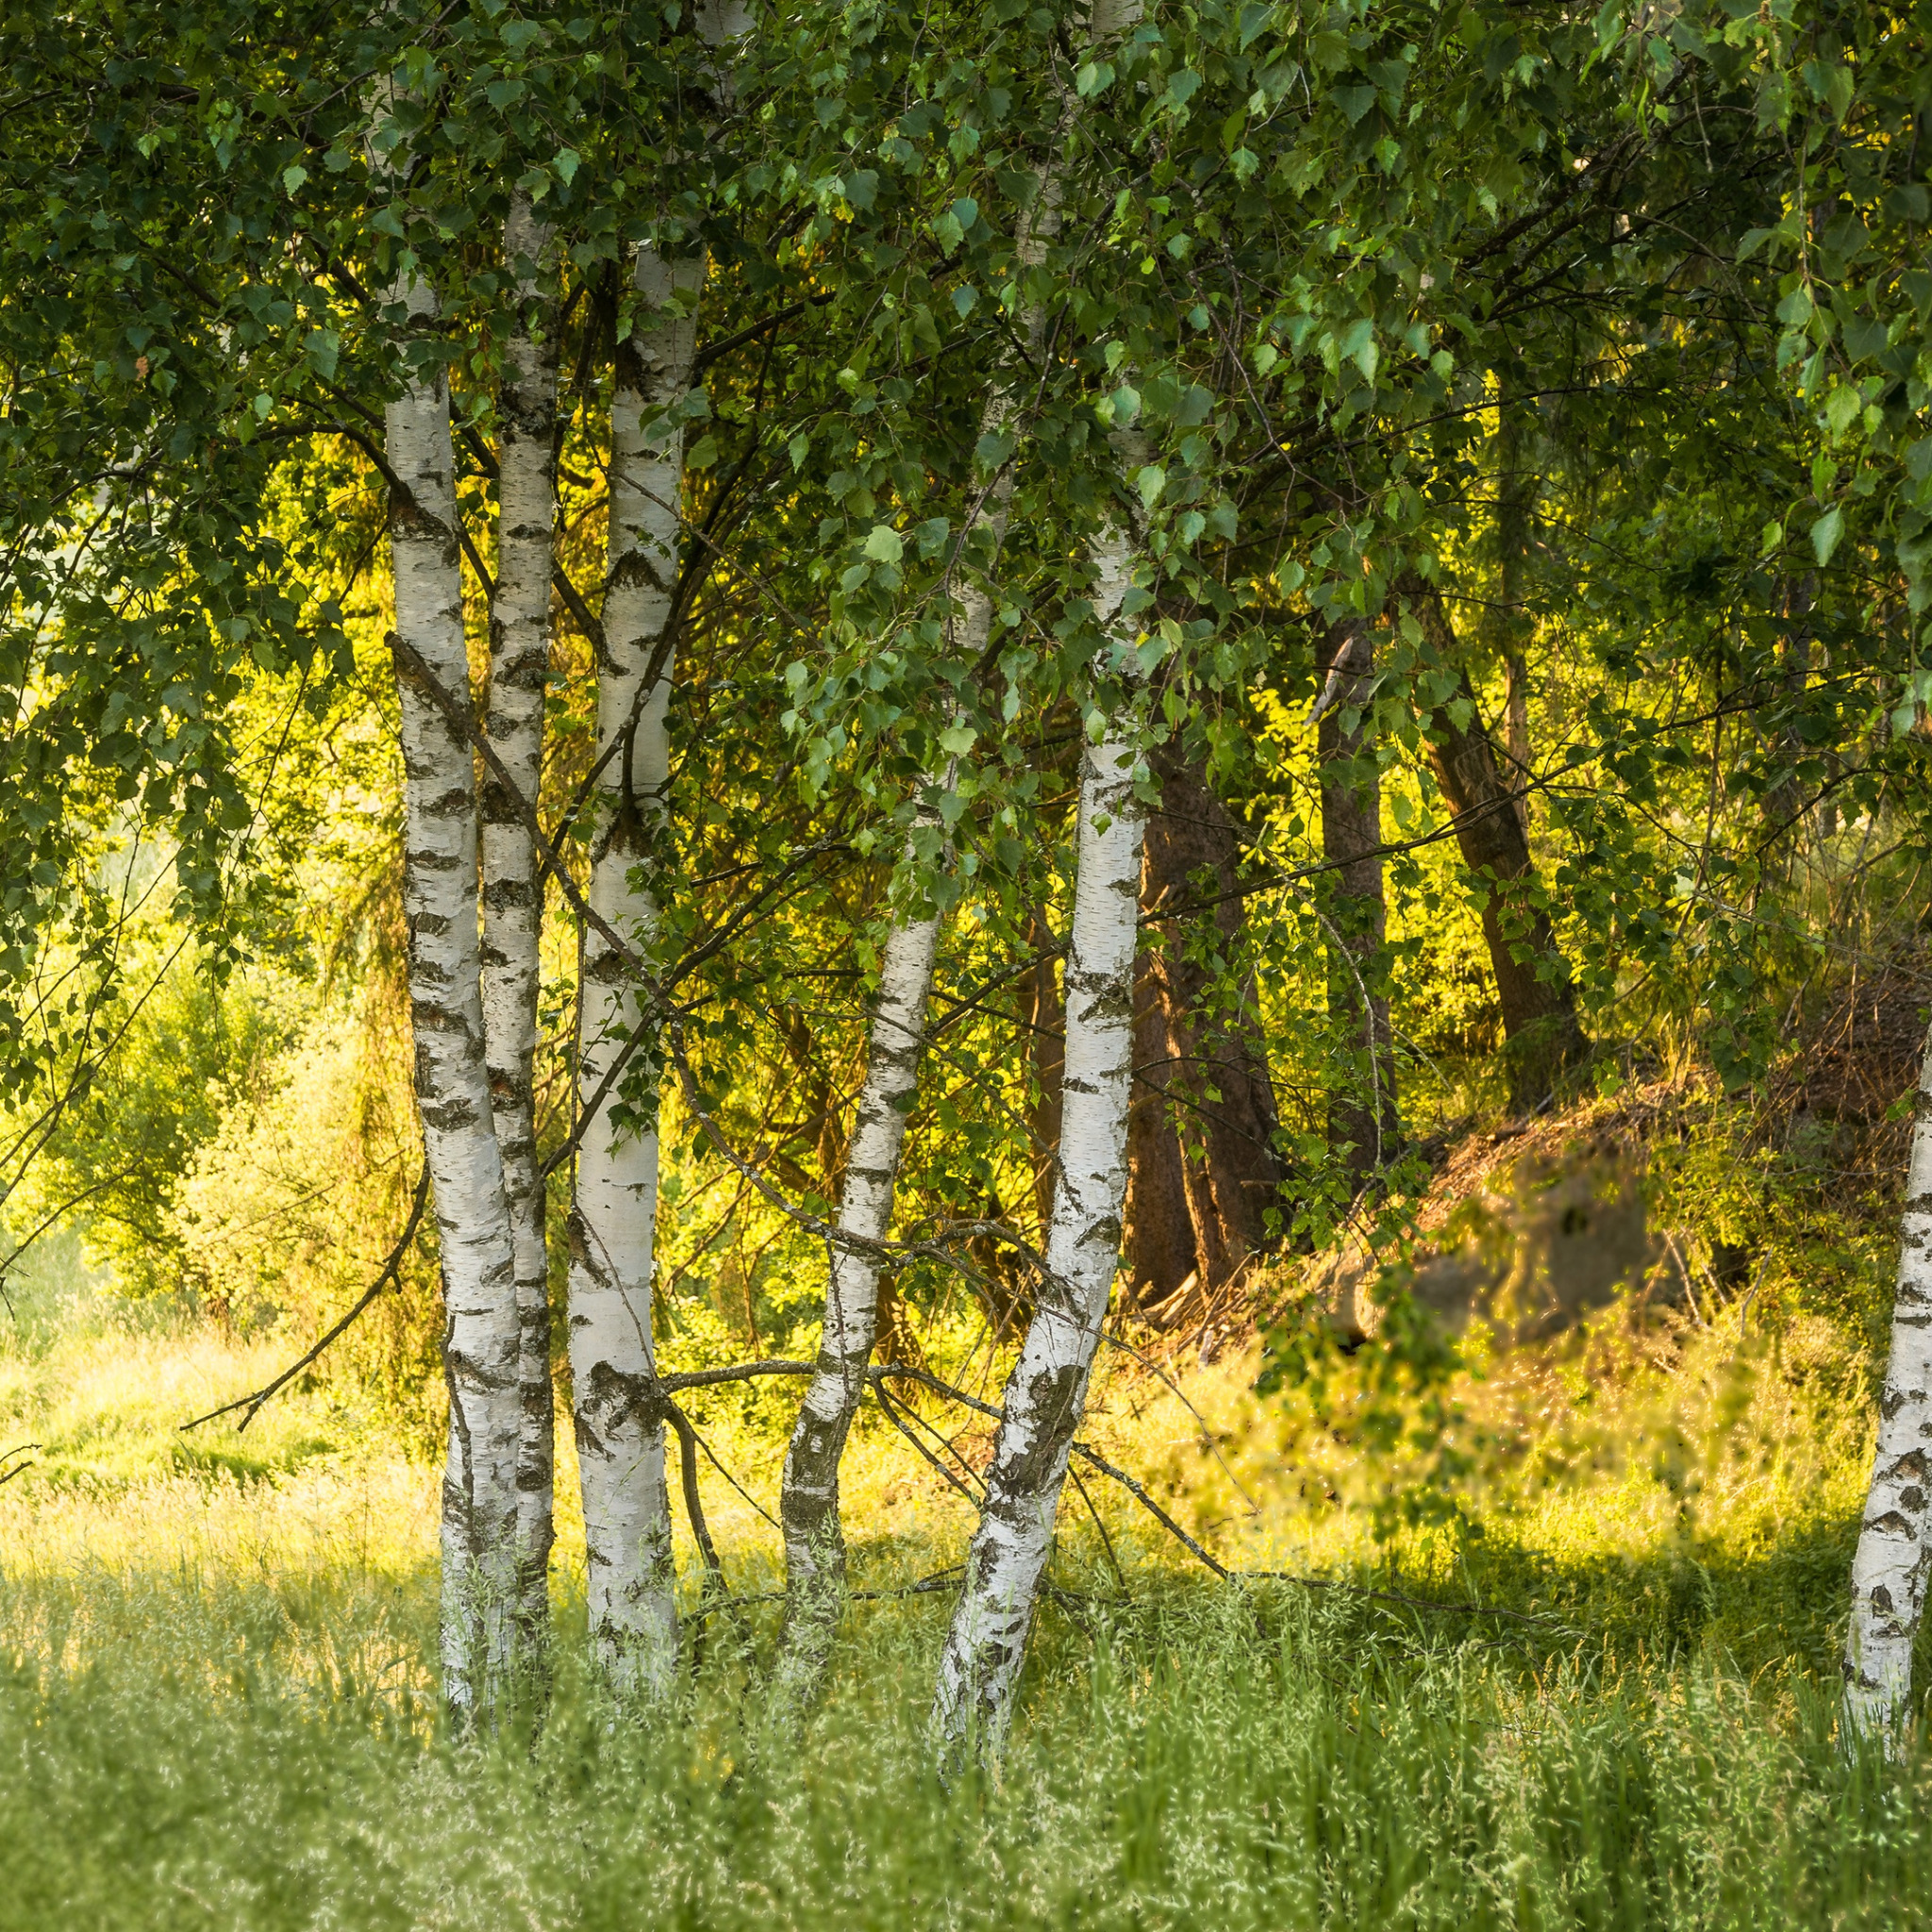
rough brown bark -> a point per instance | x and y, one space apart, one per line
1159 1238
1533 985
1046 1016
1514 498
1203 1168
1362 1111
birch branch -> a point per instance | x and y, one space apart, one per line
255 1403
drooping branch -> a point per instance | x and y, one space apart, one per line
253 1403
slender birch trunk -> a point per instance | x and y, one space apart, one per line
480 1336
1895 1542
513 905
809 1506
620 1433
808 1498
1046 1392
618 1423
808 1501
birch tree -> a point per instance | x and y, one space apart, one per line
809 1504
440 898
617 1420
1895 1540
619 1430
1046 1392
513 901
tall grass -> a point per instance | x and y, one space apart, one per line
217 1692
235 1752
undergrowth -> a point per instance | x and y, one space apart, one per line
1563 1653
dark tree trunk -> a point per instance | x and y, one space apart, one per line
1362 1111
1515 498
1046 1017
1785 803
1159 1240
1533 985
1202 1167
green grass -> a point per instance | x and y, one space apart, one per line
218 1709
237 1752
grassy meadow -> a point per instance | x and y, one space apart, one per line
1598 1691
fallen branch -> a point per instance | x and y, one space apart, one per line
255 1403
880 1373
694 1503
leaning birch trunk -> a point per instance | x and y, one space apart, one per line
512 906
1046 1392
1895 1542
808 1498
619 1429
480 1334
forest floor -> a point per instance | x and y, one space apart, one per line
1564 1654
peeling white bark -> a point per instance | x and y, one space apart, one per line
620 1433
1896 1543
808 1499
618 1425
808 1504
1047 1394
481 1341
512 906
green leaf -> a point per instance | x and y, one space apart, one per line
1150 482
321 348
958 739
1826 533
293 177
994 447
884 545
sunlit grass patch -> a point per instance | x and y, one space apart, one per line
219 1693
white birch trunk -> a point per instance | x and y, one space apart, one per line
512 906
1895 1542
618 1424
808 1499
808 1504
809 1508
619 1430
480 1340
1047 1394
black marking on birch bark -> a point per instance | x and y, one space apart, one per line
411 521
1891 1523
449 1116
507 895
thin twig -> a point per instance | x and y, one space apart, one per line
253 1403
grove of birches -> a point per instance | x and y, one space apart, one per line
752 696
